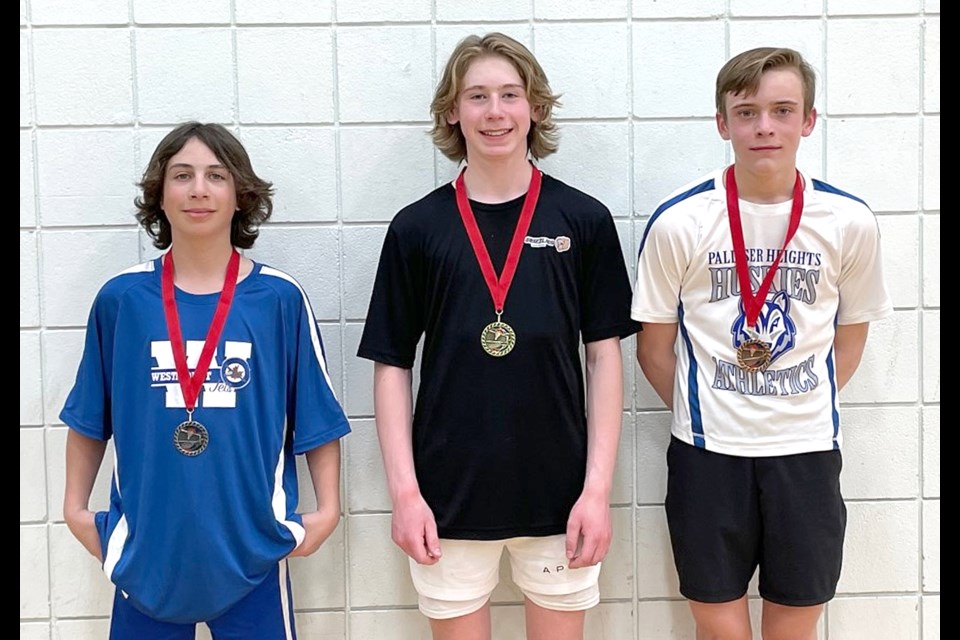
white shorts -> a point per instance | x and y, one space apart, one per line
467 573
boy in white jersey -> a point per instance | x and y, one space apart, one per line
755 286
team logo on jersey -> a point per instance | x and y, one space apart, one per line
230 371
560 243
235 372
774 326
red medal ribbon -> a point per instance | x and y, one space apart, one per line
190 385
499 287
752 304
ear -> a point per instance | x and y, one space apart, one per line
535 113
453 117
808 123
722 126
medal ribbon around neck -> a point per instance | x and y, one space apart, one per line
499 287
190 385
752 304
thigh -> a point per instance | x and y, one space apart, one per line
266 613
461 581
714 519
804 521
129 623
540 568
550 624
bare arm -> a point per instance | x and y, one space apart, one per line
324 465
848 344
84 456
414 527
657 358
589 528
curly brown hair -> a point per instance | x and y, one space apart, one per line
542 140
254 195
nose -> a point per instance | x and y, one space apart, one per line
494 107
764 124
198 188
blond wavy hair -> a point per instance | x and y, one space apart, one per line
543 138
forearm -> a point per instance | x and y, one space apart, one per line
83 458
604 409
393 408
657 359
324 465
848 345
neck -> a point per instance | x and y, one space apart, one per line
500 181
200 266
765 188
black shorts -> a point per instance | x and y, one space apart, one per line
729 514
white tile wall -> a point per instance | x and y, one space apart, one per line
331 98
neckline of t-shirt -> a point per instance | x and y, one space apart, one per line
208 298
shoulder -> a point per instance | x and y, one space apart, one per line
691 196
423 213
282 284
687 205
127 283
848 209
571 200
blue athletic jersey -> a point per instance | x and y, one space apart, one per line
187 537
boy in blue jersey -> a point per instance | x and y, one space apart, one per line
207 370
756 286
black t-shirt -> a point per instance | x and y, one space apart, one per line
499 444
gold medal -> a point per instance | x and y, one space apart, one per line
754 355
498 338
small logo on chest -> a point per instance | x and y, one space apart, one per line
560 243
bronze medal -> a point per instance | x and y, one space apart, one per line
190 438
754 355
498 339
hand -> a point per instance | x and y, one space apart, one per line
589 530
83 525
415 529
318 525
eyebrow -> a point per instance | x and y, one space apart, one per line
751 103
190 166
511 85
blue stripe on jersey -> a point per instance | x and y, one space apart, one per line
706 185
834 412
696 422
820 185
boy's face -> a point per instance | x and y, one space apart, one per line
199 195
492 110
765 128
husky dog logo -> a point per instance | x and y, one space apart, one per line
774 326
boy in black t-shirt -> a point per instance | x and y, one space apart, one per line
503 272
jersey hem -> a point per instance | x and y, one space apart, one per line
501 534
759 450
339 431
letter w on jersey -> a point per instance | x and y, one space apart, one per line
224 378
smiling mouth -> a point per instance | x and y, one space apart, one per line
496 133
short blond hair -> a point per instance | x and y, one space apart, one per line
742 73
543 138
